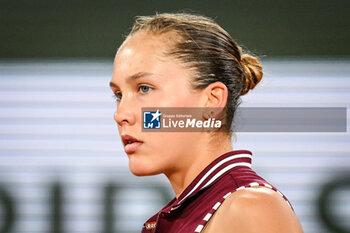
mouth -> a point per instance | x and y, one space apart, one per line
131 144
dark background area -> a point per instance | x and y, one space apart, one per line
95 29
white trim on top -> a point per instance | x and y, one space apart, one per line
243 155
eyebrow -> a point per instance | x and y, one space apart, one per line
132 78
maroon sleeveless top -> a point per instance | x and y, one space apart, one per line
198 202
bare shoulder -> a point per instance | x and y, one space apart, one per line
256 209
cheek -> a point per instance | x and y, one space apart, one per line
177 95
170 146
177 100
163 142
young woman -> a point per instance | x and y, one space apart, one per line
187 60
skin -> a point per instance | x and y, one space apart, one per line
253 210
180 156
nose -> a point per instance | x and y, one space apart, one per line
125 113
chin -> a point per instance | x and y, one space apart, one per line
142 169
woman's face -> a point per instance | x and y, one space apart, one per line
143 77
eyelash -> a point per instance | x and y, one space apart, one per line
115 97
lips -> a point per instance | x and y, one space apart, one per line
131 144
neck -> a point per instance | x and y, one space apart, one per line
199 159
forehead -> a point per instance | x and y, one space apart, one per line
143 45
144 52
137 52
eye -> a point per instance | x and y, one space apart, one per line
145 89
117 96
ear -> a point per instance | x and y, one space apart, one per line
215 97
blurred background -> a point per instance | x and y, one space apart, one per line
62 165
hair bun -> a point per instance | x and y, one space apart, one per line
252 72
